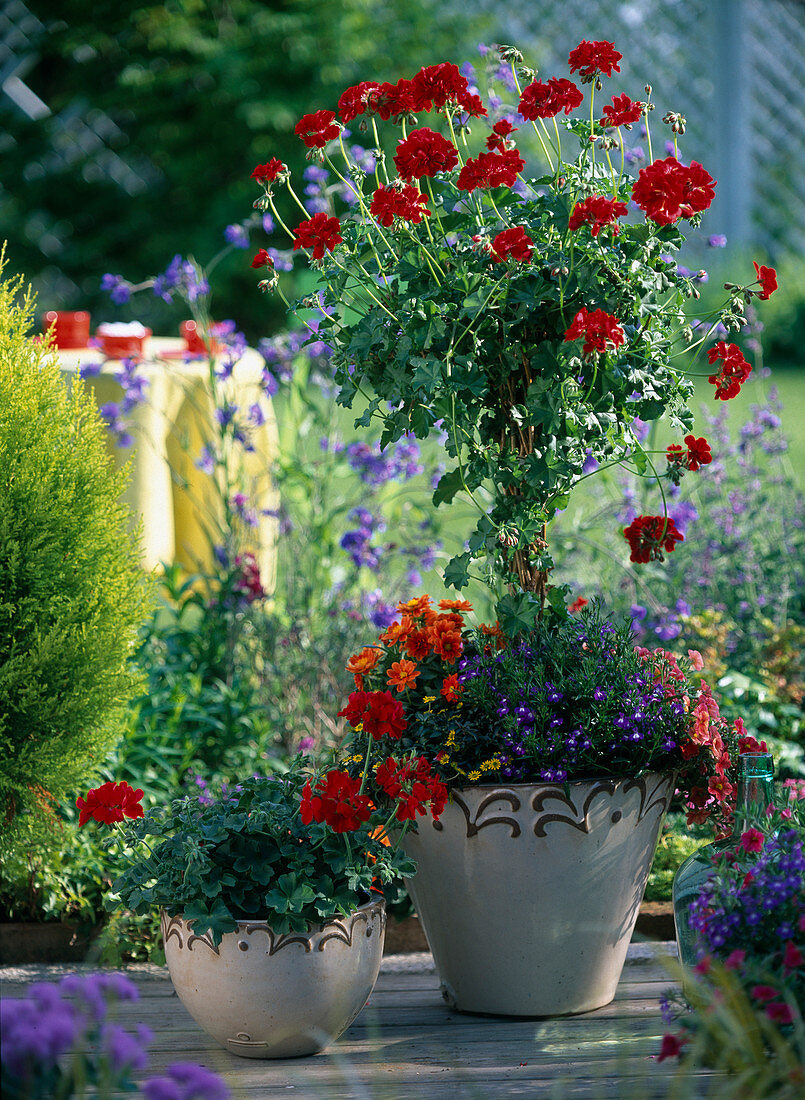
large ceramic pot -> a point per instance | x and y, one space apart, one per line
529 895
263 995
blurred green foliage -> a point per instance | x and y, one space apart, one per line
159 113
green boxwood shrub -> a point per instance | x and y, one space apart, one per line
72 592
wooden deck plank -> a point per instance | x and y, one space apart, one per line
408 1045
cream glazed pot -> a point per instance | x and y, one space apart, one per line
529 895
264 995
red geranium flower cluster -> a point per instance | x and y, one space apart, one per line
317 129
406 202
622 111
666 190
319 233
424 153
414 786
262 259
592 58
378 712
501 132
512 243
648 536
694 454
545 100
110 803
767 277
491 170
733 373
598 329
268 172
598 212
438 85
433 86
336 800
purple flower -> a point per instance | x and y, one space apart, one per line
186 1081
683 514
123 1050
117 288
206 460
268 223
181 277
89 370
717 240
237 235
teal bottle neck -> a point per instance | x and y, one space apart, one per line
755 791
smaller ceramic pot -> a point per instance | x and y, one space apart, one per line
70 329
117 341
265 995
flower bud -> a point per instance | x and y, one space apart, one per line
510 54
647 90
262 204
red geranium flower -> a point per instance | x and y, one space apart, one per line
591 58
648 536
666 190
597 211
109 803
698 189
406 202
262 259
268 172
545 100
394 99
436 85
319 233
501 131
317 129
336 801
414 786
764 992
381 714
622 111
697 453
512 244
355 100
578 604
424 153
491 170
598 329
767 277
733 373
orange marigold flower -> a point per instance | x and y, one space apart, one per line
416 606
446 639
418 645
398 631
451 688
494 632
364 661
402 674
455 605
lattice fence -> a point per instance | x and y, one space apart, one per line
735 68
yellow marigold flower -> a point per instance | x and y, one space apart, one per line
473 776
428 698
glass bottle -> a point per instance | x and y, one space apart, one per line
755 793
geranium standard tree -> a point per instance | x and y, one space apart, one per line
527 316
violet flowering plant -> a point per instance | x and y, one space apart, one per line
61 1040
750 920
524 313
